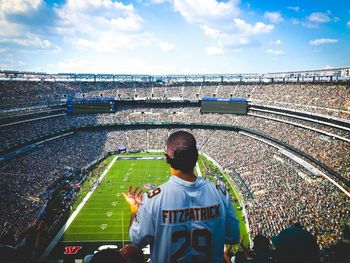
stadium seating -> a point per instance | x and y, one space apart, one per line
281 195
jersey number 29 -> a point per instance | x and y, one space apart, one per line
192 239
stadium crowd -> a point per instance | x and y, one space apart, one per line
325 98
330 151
283 191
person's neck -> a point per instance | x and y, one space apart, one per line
190 177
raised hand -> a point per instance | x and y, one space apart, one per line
133 198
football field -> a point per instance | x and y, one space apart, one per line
105 216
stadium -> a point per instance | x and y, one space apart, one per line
91 91
283 149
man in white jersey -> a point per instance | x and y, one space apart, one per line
187 219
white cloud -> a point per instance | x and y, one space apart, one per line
90 16
104 26
13 64
275 52
248 29
19 6
295 21
11 7
229 39
165 47
239 36
294 8
211 32
273 17
318 17
276 42
15 32
8 28
31 40
158 1
321 41
215 51
348 23
214 17
206 10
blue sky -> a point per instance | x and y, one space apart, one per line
173 36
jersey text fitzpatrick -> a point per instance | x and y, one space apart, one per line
190 214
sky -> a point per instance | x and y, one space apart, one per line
174 36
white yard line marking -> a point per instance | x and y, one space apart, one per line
73 216
198 170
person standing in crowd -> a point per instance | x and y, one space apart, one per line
187 219
296 244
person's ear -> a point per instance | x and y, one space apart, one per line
167 158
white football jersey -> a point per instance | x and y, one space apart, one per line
185 222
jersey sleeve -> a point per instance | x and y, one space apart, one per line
232 233
142 228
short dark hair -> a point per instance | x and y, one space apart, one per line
181 151
295 244
261 243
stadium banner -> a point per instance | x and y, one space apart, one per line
91 105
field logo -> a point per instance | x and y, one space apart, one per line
72 250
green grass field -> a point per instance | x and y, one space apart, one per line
106 214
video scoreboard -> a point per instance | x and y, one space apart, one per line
91 105
109 105
229 105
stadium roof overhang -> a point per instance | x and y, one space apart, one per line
311 75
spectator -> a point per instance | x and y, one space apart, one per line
127 254
261 250
132 254
107 256
186 218
295 244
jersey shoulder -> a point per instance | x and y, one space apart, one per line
217 187
219 191
154 194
